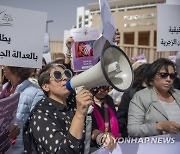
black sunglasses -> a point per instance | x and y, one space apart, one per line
57 75
103 88
164 75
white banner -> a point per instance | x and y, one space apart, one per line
162 144
108 27
174 2
107 21
168 27
21 37
67 34
46 49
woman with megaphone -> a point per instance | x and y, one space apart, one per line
56 125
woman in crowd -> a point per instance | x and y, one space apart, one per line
139 83
177 80
116 96
155 110
30 94
105 129
56 125
34 76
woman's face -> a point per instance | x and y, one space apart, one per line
81 47
57 88
7 72
102 92
163 80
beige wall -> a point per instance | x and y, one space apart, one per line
130 49
135 49
56 47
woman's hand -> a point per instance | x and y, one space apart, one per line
168 126
69 43
109 142
106 140
117 37
83 100
14 131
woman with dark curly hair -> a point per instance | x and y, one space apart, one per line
30 94
139 83
155 110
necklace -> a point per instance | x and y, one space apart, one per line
166 98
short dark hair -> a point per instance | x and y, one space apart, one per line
23 72
156 66
81 43
140 75
44 74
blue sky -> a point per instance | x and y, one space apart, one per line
63 12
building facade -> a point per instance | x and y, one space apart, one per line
83 19
56 47
137 24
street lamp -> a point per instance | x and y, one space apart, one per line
47 22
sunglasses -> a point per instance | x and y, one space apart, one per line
164 75
104 88
57 75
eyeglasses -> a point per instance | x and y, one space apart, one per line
164 75
57 75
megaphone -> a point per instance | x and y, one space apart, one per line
114 69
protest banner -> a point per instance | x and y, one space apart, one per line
21 37
82 48
174 2
162 144
108 28
67 34
168 27
46 49
108 24
8 108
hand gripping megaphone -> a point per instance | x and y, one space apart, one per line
114 69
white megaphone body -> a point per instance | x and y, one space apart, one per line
113 69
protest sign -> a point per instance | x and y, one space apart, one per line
107 21
67 34
168 27
46 49
21 37
82 48
174 2
108 27
8 108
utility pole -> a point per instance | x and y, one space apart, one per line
47 22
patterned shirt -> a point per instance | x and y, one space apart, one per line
47 129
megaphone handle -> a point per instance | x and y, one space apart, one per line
78 89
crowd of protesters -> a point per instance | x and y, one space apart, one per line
51 119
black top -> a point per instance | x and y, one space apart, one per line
47 128
122 113
176 83
109 101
